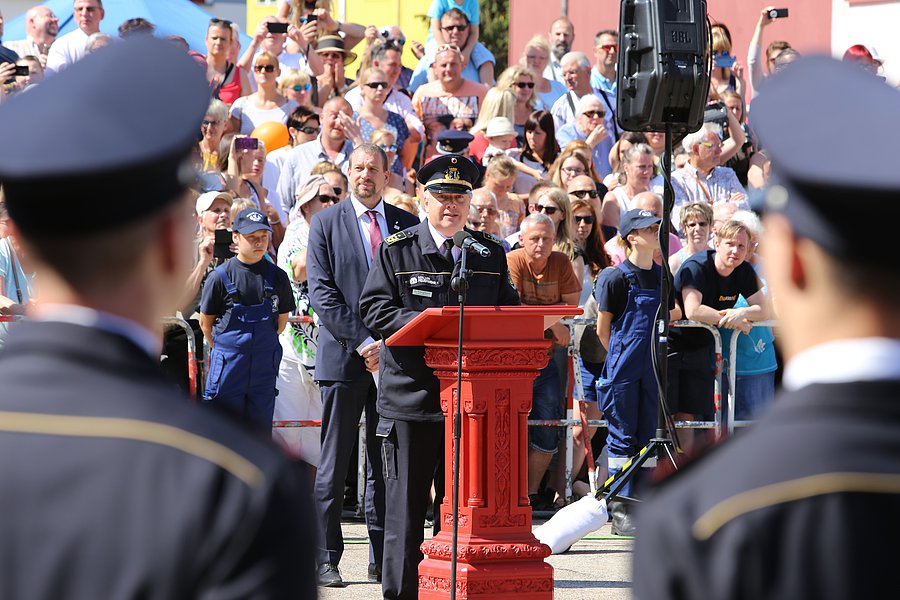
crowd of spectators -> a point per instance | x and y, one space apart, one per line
557 175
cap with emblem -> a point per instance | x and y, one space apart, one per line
452 141
77 137
249 221
812 177
451 174
635 218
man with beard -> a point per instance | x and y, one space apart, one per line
41 27
71 47
411 272
562 34
342 241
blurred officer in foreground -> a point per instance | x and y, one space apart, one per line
807 503
411 272
114 486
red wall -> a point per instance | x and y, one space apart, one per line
808 28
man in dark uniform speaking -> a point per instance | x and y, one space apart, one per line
807 503
114 485
411 272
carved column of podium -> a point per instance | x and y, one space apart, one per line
503 349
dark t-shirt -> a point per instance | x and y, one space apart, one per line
249 281
611 290
699 272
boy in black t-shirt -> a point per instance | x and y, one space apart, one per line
709 284
244 306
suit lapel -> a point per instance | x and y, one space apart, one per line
348 216
392 218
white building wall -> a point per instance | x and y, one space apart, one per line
870 24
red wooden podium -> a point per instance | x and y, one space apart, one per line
503 349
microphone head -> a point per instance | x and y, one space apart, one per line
459 237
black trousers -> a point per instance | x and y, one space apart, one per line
413 457
342 404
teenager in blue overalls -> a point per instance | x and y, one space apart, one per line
627 302
244 306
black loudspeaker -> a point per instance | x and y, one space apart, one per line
663 65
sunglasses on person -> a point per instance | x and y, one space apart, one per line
586 219
594 114
547 210
585 194
711 144
609 47
264 68
207 123
302 88
325 199
217 21
338 191
388 147
308 129
459 28
525 84
309 5
377 85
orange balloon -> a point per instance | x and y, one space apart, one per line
273 134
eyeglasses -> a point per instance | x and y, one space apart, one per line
711 144
696 224
525 84
489 209
609 47
547 210
377 85
302 88
585 193
266 68
572 171
594 114
388 147
325 199
459 28
586 219
217 21
308 129
210 123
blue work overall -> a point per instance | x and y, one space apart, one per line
246 354
626 390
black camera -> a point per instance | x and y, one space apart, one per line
778 13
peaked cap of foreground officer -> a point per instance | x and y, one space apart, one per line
103 143
822 174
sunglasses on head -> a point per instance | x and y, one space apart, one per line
325 198
459 28
302 88
585 193
377 85
266 68
588 219
445 47
525 84
217 21
547 210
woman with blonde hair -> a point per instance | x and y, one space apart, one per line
266 103
536 56
245 174
571 163
726 74
497 102
554 202
639 170
387 141
499 178
520 81
297 86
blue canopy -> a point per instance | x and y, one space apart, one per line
171 17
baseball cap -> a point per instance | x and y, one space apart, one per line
250 220
635 218
206 200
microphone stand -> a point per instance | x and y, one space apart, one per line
459 284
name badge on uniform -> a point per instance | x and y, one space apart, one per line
423 293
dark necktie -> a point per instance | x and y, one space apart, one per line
447 251
374 231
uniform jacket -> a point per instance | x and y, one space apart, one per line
806 505
410 274
336 270
114 486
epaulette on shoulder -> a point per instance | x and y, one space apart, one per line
397 237
493 238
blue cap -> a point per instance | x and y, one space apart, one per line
250 220
452 141
451 174
817 167
636 218
96 146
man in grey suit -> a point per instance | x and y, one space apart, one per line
342 241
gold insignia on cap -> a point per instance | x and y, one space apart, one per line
452 174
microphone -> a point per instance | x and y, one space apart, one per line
464 240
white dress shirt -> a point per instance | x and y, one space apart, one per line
440 238
66 51
364 220
843 361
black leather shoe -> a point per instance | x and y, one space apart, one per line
330 576
622 522
374 573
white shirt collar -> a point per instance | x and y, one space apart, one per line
440 238
88 317
360 209
863 359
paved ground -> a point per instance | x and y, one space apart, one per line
596 568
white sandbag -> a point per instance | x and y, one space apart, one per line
572 523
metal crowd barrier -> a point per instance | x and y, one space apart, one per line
193 363
732 375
